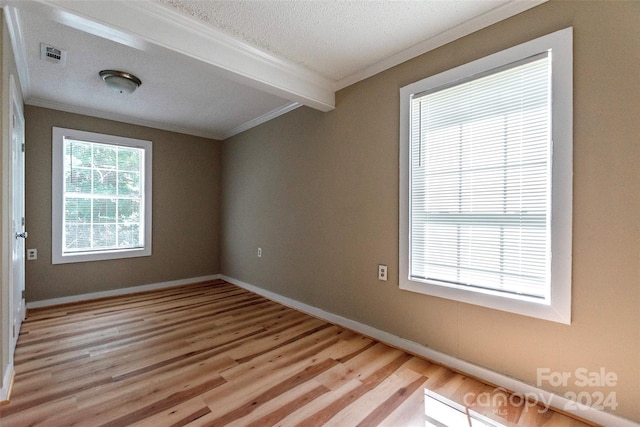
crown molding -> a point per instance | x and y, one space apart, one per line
36 102
148 25
14 26
151 22
496 15
262 119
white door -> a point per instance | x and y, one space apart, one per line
19 234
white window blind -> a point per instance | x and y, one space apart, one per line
480 176
103 197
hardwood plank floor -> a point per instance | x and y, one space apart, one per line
213 354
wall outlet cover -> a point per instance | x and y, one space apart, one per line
382 272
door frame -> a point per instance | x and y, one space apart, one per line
7 343
17 199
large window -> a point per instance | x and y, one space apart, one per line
101 196
486 176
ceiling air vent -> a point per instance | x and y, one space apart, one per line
52 54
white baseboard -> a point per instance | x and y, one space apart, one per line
7 380
550 399
117 292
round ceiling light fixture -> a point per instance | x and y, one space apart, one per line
120 81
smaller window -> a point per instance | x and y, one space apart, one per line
101 192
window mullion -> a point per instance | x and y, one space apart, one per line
93 184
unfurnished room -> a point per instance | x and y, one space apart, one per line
320 213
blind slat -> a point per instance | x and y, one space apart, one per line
102 197
480 181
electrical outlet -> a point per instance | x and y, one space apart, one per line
382 272
32 254
259 252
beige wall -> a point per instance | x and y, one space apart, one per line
319 193
186 198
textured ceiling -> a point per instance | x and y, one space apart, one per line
177 93
216 68
334 38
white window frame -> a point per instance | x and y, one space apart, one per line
557 305
57 165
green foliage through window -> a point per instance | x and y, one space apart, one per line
102 196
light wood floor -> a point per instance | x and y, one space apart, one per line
214 354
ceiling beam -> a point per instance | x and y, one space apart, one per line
144 23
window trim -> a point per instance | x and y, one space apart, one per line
57 166
557 307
